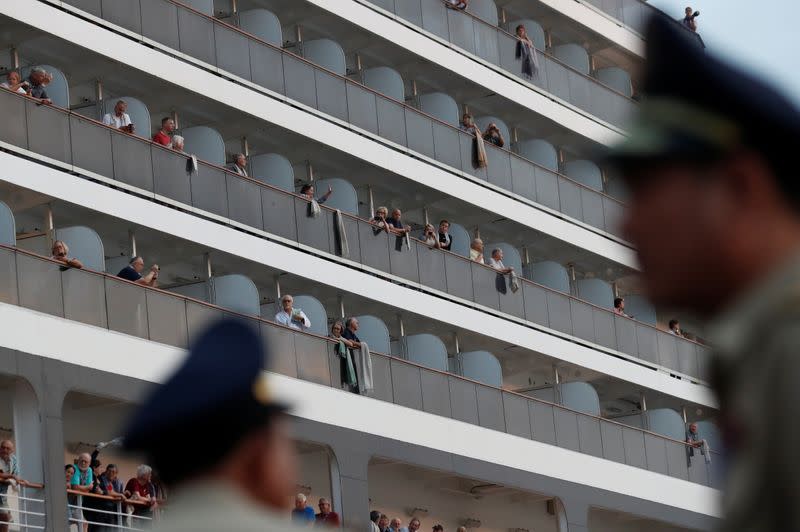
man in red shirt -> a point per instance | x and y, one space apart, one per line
141 489
163 135
326 517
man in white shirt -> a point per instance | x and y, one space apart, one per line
119 119
290 317
496 261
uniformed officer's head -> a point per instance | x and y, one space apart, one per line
714 193
215 420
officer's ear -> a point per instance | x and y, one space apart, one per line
751 182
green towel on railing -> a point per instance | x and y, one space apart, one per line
349 373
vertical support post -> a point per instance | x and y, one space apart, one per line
561 159
371 201
298 34
548 40
98 90
174 116
49 226
514 135
341 306
683 414
309 171
208 272
425 215
572 278
615 289
132 240
245 147
556 383
14 56
278 287
526 256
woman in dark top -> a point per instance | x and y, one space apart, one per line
494 135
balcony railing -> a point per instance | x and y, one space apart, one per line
160 174
232 50
497 46
26 506
105 512
105 301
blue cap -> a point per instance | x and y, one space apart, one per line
696 107
221 390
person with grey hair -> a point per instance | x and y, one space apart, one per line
9 476
496 262
60 253
302 514
178 143
291 317
37 80
141 488
239 165
119 119
476 250
83 481
326 516
133 272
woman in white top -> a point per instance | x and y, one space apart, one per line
431 238
15 83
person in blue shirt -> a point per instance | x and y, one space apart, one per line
133 272
302 515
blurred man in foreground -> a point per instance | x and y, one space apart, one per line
709 158
245 479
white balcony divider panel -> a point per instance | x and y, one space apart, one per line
8 228
640 308
326 53
666 422
597 292
314 310
263 24
460 238
484 121
574 55
534 29
481 366
58 89
550 274
511 255
206 143
344 195
580 396
235 292
484 9
85 245
585 172
539 151
616 78
427 350
373 330
440 105
273 169
386 81
137 110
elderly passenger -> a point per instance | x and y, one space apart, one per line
476 250
9 476
133 272
445 240
326 516
119 119
178 144
37 80
141 488
60 253
496 262
239 165
291 317
302 514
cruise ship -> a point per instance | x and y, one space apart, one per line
546 395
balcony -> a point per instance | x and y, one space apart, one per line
100 300
214 192
484 39
385 118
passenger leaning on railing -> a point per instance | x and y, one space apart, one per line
457 4
82 480
109 485
140 488
119 119
9 476
15 83
60 253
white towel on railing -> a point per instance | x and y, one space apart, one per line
191 165
313 208
513 281
341 235
364 369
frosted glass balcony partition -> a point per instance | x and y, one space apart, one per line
107 302
314 310
206 143
225 47
481 366
441 106
481 37
273 169
150 168
8 230
327 54
387 81
263 24
427 350
374 331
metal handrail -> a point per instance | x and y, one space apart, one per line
387 97
351 216
332 341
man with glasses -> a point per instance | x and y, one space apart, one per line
9 476
294 318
